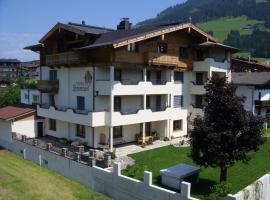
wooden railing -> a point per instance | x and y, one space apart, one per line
48 86
62 58
152 58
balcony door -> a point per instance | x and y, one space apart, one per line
51 100
117 104
53 75
199 78
80 103
158 77
158 103
117 75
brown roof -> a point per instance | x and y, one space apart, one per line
241 65
12 112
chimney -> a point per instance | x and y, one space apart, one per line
83 22
124 24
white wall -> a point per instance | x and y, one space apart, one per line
247 92
25 126
110 183
29 93
5 134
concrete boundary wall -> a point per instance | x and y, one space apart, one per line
109 182
260 190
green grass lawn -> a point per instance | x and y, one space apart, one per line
23 180
239 176
222 27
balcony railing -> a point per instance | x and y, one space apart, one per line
48 86
161 59
62 58
259 103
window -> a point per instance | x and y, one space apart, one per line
117 75
177 125
80 103
80 131
162 48
26 96
52 124
199 78
158 103
51 100
133 47
178 101
183 52
259 111
117 104
179 76
260 95
35 98
53 75
198 101
148 75
200 55
117 132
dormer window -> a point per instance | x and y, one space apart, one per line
162 47
133 47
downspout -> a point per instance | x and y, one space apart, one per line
94 103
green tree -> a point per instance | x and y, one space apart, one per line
10 96
226 132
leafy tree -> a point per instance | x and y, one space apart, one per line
226 132
10 96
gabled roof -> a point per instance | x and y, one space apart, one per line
80 29
124 37
217 44
12 112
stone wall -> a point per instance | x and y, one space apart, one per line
259 190
108 182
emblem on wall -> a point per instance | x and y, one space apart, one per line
83 86
88 77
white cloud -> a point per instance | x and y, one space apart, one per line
12 45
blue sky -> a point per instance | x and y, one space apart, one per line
23 22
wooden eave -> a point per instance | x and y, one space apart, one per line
189 26
59 26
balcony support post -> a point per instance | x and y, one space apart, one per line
144 101
111 139
144 74
143 132
172 76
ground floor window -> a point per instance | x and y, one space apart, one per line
177 125
117 132
52 124
80 131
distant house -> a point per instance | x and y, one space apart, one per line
31 69
244 65
255 87
10 67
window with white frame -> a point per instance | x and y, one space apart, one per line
35 98
178 125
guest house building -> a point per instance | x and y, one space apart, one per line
107 87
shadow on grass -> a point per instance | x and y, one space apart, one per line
203 187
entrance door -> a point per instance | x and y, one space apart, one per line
40 129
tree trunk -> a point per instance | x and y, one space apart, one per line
223 174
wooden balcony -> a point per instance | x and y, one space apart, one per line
66 58
158 59
48 86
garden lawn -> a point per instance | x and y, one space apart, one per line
239 176
23 180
